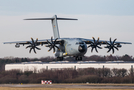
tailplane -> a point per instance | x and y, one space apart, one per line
54 23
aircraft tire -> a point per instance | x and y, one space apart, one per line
59 58
78 58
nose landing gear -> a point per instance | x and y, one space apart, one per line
78 58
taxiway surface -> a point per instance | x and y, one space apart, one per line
68 86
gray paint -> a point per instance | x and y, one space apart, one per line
55 27
70 48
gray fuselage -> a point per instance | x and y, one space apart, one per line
72 47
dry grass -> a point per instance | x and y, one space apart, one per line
9 88
44 88
98 84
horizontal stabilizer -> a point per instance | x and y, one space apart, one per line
66 19
51 19
54 23
39 19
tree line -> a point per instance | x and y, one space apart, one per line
49 59
11 59
90 75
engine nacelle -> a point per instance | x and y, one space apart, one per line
17 45
119 45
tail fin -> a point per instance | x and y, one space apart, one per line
54 24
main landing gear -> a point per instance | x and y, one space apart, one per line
79 58
59 58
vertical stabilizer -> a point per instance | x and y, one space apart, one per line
54 23
55 27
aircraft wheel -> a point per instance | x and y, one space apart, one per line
59 58
79 58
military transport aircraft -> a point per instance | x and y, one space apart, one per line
62 47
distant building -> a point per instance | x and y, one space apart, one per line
38 65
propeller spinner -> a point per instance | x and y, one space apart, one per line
95 44
33 45
52 45
111 46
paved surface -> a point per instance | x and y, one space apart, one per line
68 86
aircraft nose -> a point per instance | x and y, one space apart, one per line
81 48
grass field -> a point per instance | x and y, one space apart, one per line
9 88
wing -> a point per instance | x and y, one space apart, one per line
89 41
110 45
34 43
44 41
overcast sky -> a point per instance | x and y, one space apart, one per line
96 18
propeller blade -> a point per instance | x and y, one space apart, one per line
28 46
112 46
29 42
49 42
52 44
92 49
114 40
52 39
96 49
50 48
116 48
89 46
36 40
95 45
109 50
57 47
99 47
55 40
53 50
48 45
110 40
37 48
98 40
34 50
30 50
113 50
33 45
32 40
93 39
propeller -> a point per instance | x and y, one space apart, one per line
52 45
95 44
33 45
111 46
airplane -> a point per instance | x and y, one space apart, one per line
62 47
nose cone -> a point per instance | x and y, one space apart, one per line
82 48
